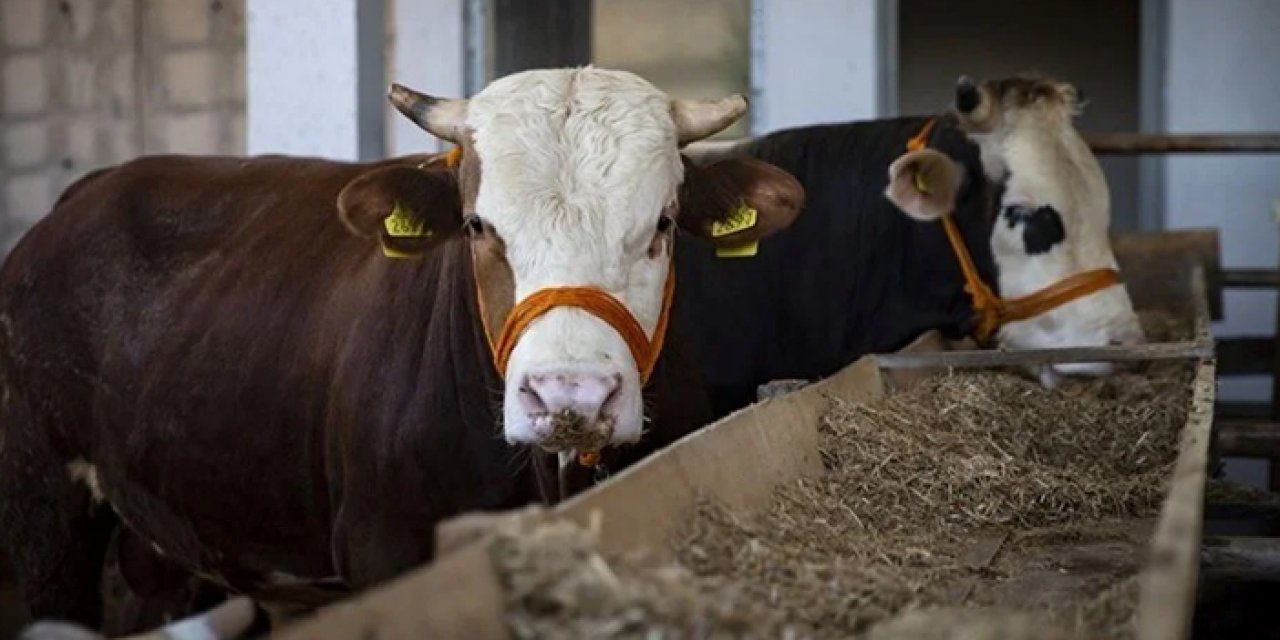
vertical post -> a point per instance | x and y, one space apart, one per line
1273 464
533 34
1153 32
314 76
818 61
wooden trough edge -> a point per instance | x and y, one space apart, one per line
1167 586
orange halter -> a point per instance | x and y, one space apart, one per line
593 300
991 310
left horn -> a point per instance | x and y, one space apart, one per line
444 118
698 119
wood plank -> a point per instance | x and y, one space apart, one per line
1168 583
738 460
1228 409
1245 356
1029 357
1243 278
1241 559
1153 266
1248 438
1140 143
458 597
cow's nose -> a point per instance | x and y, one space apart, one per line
582 394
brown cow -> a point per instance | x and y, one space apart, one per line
202 350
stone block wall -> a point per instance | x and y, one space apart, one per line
90 83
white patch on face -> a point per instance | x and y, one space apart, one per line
82 471
576 168
1047 164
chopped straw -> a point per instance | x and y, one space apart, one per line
881 543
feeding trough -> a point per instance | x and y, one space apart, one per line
738 469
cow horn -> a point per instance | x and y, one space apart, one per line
443 118
697 119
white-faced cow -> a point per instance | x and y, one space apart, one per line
283 372
856 276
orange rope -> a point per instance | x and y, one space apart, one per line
921 139
453 158
599 304
991 310
986 304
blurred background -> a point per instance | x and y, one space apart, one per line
88 83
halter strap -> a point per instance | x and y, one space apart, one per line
990 310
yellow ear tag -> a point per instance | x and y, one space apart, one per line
921 185
743 217
741 251
400 225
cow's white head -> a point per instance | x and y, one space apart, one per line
573 178
1051 219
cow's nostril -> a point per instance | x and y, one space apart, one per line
530 401
583 394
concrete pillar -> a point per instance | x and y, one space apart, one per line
540 34
820 61
428 54
315 78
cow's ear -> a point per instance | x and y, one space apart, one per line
924 184
737 201
409 210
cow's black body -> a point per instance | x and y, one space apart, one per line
853 275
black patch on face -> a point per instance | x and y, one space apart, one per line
1041 227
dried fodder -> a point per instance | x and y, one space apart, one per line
875 543
558 585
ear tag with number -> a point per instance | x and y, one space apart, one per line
742 218
921 185
400 225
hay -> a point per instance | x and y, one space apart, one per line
1049 482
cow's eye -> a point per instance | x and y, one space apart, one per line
665 223
474 225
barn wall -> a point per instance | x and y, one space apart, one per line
1221 76
88 83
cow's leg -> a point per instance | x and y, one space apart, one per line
50 523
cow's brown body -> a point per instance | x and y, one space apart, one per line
263 396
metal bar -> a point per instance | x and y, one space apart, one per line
1140 143
1250 278
1248 438
982 358
1251 559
